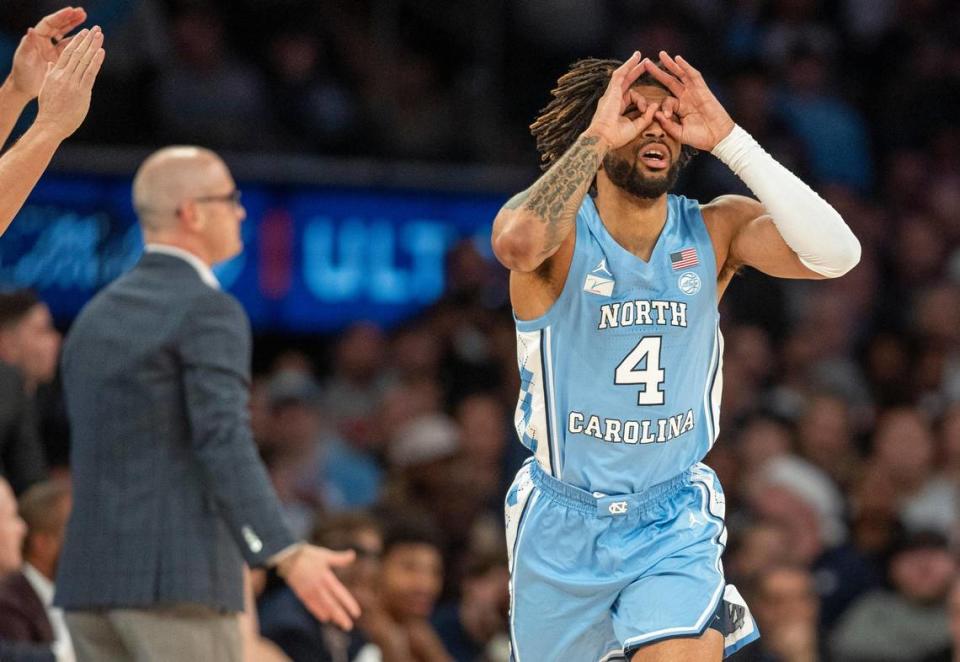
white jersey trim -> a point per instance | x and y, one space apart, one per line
530 358
551 390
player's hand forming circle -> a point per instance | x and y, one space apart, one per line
703 121
42 45
65 95
609 122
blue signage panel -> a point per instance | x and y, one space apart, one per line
315 258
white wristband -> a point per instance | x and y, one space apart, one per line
808 224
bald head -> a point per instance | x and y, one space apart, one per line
171 176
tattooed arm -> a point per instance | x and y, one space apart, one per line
532 225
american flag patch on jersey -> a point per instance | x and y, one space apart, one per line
685 258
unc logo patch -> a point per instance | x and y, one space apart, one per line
689 283
617 508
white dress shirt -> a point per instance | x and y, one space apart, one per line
204 271
62 645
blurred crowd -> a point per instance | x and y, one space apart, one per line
839 442
836 82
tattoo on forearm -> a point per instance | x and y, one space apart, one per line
550 197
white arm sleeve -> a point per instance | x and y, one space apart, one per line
807 223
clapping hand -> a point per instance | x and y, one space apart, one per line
42 45
65 95
703 122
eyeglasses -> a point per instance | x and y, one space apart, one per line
232 197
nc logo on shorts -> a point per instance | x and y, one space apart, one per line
618 508
689 283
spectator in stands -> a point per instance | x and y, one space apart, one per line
430 473
950 443
412 108
411 579
208 96
826 439
27 614
475 628
795 25
291 446
760 439
12 532
256 647
902 463
795 495
785 605
484 439
310 464
754 549
937 504
28 339
311 105
949 654
29 347
908 622
285 621
353 392
833 132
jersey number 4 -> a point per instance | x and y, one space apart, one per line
642 366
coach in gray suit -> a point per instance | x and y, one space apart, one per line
170 497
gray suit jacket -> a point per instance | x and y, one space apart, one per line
170 496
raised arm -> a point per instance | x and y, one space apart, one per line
63 105
12 103
533 224
42 45
791 232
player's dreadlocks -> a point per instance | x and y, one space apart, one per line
574 101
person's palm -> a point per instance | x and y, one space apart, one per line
608 120
693 115
36 50
29 66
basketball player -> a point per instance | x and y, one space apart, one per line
615 527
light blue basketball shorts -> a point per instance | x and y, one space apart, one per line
595 577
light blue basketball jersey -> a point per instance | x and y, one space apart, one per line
621 378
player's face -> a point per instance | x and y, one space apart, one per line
648 166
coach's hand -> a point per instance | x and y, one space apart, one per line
308 571
42 45
612 122
695 118
65 96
